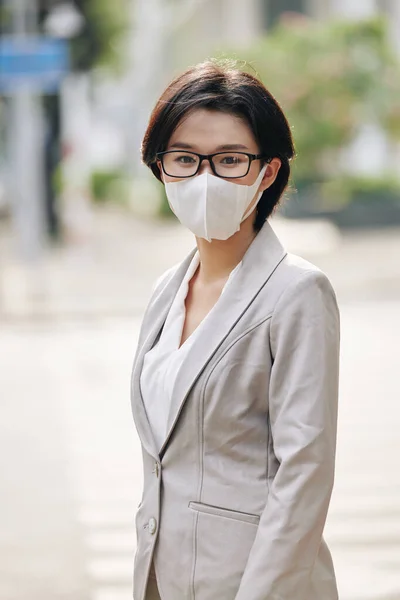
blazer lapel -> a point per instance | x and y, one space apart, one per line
152 325
259 262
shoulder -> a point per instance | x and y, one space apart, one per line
296 273
304 292
306 312
295 267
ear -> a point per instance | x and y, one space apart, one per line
270 174
160 169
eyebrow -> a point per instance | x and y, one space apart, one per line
219 148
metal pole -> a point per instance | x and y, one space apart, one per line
27 137
23 281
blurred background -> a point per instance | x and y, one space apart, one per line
85 230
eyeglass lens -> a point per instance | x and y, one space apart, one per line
185 164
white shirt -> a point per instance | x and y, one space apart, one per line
162 363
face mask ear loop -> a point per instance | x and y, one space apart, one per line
205 211
258 181
252 209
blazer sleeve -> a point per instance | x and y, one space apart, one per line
304 338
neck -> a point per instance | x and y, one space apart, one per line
219 257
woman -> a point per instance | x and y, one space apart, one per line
235 381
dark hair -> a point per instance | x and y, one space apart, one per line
219 86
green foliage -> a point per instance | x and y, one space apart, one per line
5 18
58 180
98 44
330 79
354 188
109 186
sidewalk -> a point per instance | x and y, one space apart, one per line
112 270
72 467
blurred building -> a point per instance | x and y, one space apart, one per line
217 24
175 34
166 37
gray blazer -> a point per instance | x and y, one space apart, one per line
234 504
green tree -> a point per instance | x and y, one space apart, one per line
105 24
330 79
98 43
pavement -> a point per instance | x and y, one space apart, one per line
111 267
70 458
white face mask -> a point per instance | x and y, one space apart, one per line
212 207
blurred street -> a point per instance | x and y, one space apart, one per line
70 458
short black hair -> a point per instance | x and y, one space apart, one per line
223 87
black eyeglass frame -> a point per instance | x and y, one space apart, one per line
210 157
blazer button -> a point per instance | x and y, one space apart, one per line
156 469
152 526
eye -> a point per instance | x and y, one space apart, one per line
184 159
233 159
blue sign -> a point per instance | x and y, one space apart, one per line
38 64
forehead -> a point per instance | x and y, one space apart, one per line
209 129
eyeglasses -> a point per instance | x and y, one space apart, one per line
229 165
